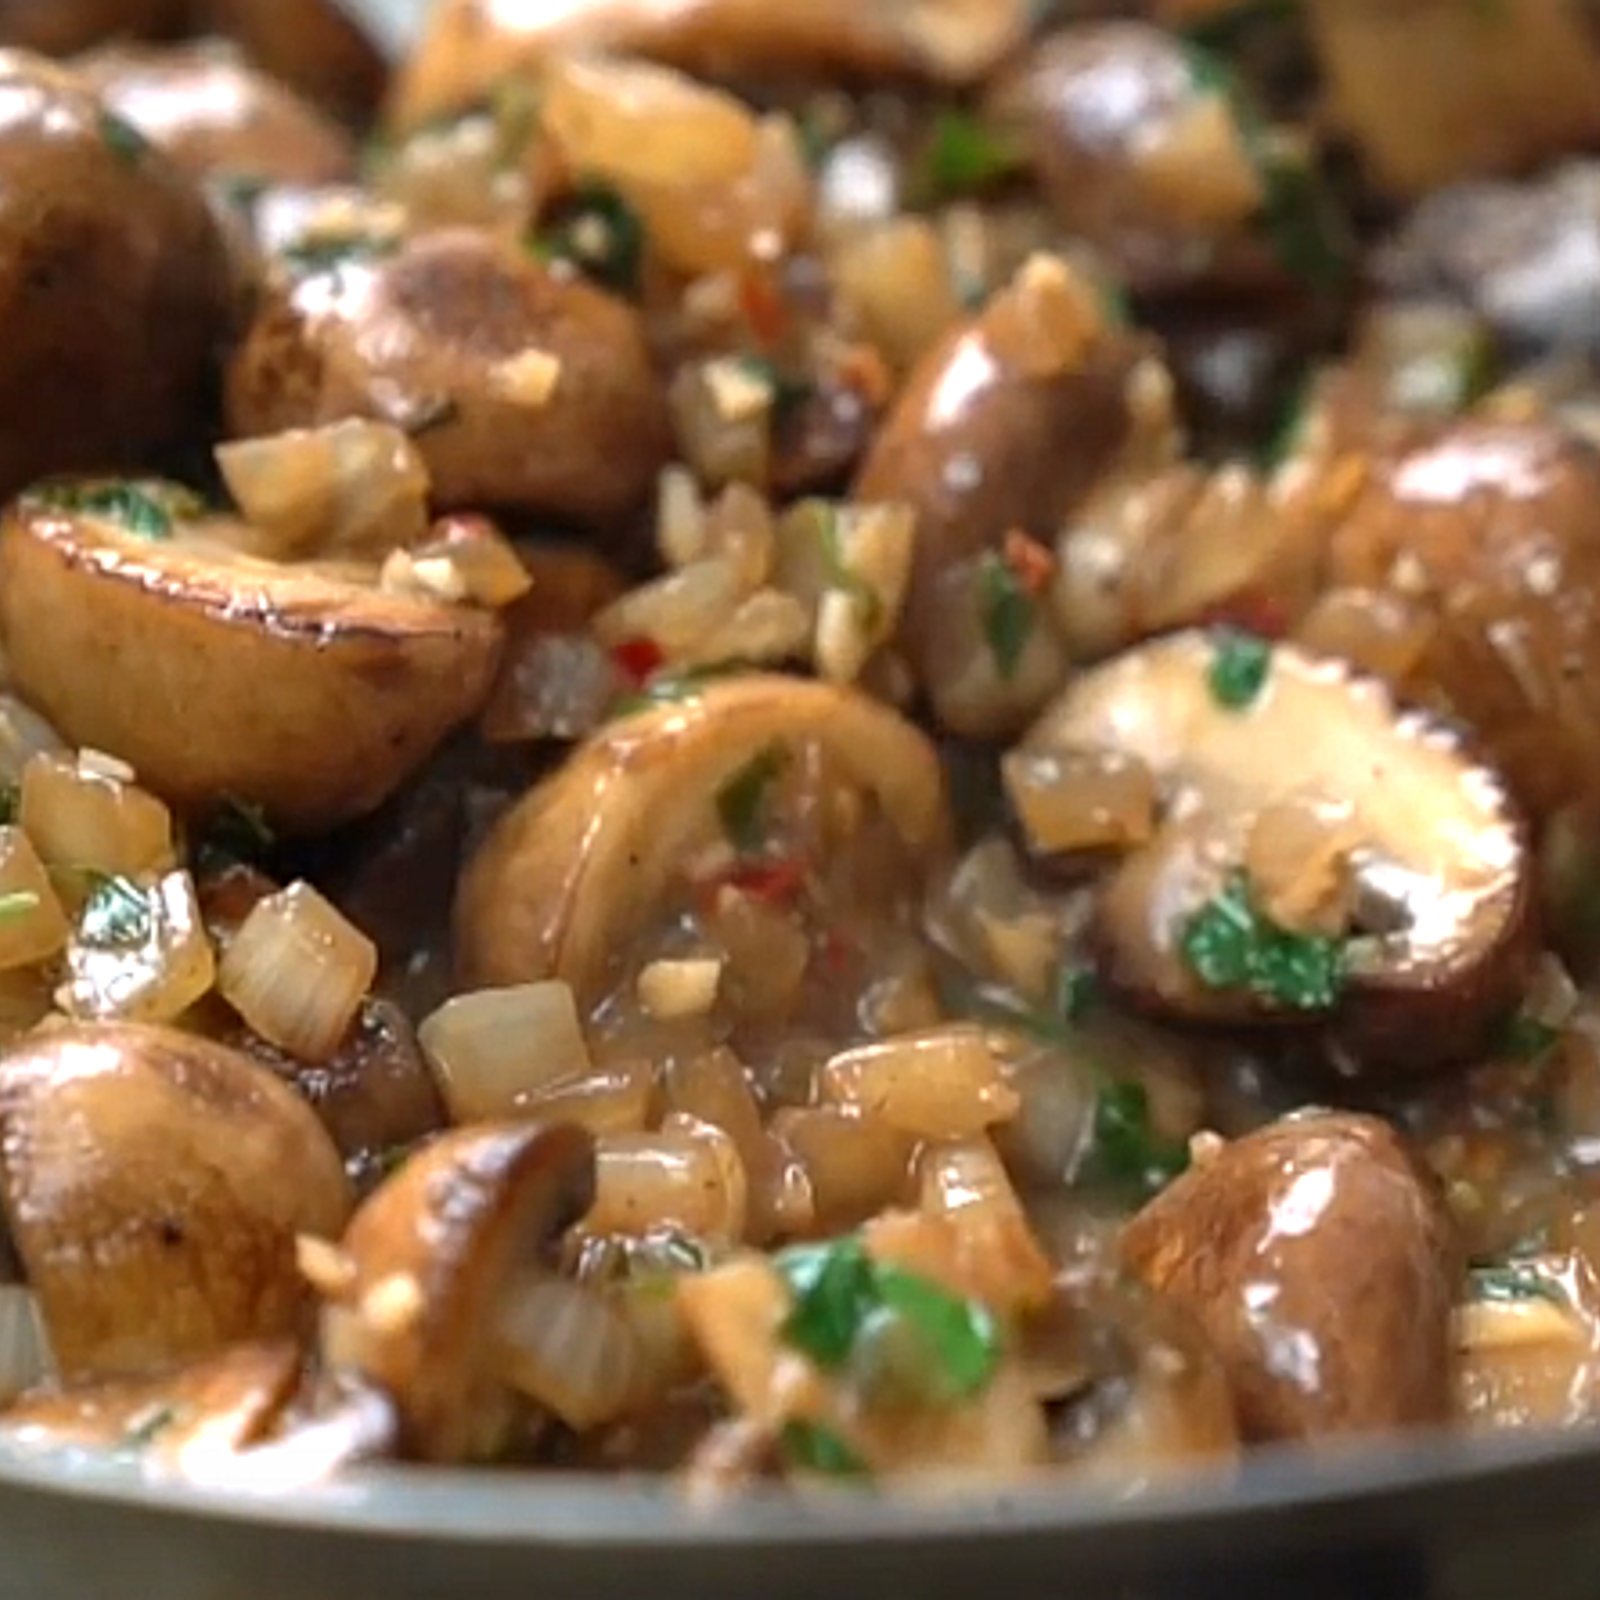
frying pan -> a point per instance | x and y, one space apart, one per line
1424 1519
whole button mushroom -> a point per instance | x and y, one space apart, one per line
525 391
115 286
429 1261
155 1183
1320 1260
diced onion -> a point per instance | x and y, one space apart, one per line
688 988
485 569
568 1347
25 1359
721 432
612 1099
677 1178
895 277
681 529
152 971
674 612
1071 800
494 1050
33 926
350 488
943 1084
297 972
854 1165
24 734
1297 859
86 821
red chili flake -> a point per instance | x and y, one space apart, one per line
638 659
1253 612
1032 562
772 882
763 306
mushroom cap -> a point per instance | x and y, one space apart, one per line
1435 839
160 651
434 1250
572 872
154 1183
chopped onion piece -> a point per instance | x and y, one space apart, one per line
297 972
681 525
569 1347
854 1165
483 567
139 953
675 612
33 926
84 820
24 734
1072 800
677 1178
350 488
895 277
612 1099
25 1359
768 627
671 989
494 1050
942 1084
723 433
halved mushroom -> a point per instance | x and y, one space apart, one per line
1320 1260
1000 431
214 115
154 1184
160 646
473 45
1323 856
524 390
432 1258
574 872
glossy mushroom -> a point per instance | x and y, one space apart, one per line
154 1184
573 872
1319 1259
432 1256
524 390
304 688
1299 801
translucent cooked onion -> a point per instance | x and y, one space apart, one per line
680 988
943 1084
484 567
568 1347
854 1165
24 734
351 488
1379 632
1072 800
140 953
1297 859
87 818
678 1178
896 279
722 421
297 972
494 1050
25 1359
615 1098
674 612
33 926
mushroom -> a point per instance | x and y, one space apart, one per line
115 280
1319 1259
574 871
158 647
433 1258
1302 808
473 45
1000 430
214 115
154 1183
525 390
58 27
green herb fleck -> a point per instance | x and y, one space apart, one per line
811 1446
964 157
10 803
741 800
1077 993
146 508
1223 29
239 191
145 1427
788 391
123 140
958 1335
117 912
1008 614
835 1290
600 234
1127 1150
1229 944
1516 1280
1240 662
1525 1038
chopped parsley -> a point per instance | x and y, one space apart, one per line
964 157
1222 29
1229 944
237 832
146 508
10 803
1077 992
117 912
1127 1150
815 1448
787 390
1240 662
1007 613
122 139
741 801
1516 1280
600 234
1525 1038
847 1306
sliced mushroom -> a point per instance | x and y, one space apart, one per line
161 650
215 115
1320 1260
472 45
1316 809
574 871
154 1183
434 1255
525 390
1001 429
